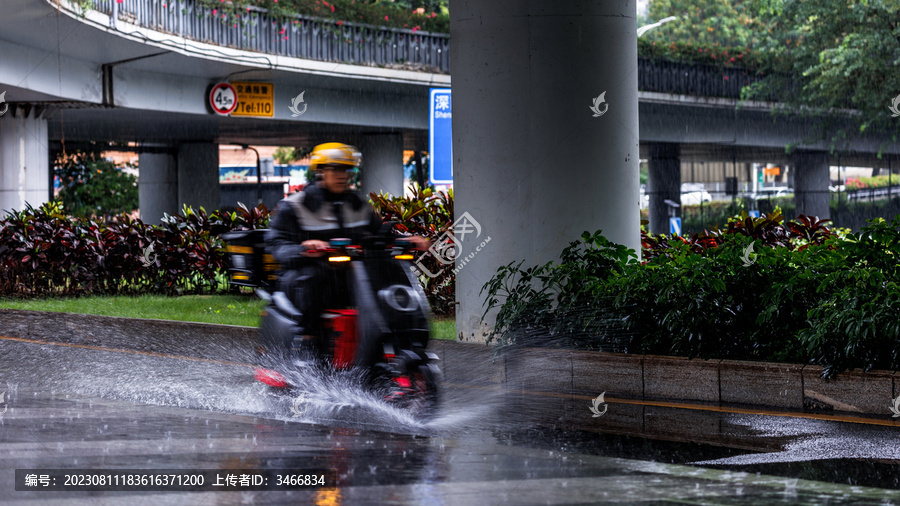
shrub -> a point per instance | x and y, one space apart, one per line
45 252
430 215
565 303
758 289
93 187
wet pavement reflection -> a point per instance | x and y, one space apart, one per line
70 407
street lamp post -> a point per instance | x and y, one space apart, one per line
642 30
259 198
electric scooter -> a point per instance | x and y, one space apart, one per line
376 321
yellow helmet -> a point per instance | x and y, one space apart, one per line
334 153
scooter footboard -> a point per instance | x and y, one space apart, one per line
277 330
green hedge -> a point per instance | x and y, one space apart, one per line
757 290
45 252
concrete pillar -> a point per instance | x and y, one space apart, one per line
811 181
157 186
382 164
24 160
198 175
663 183
533 165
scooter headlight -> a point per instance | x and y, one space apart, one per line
400 298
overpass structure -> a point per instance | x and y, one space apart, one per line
525 76
122 73
140 72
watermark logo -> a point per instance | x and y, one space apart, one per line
299 406
294 103
595 406
894 107
446 249
749 257
5 106
896 407
3 404
148 257
596 107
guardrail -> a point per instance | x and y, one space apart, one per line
327 40
693 79
298 36
872 194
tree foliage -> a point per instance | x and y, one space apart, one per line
704 22
843 54
93 187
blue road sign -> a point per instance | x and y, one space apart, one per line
675 225
440 147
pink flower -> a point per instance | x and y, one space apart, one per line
385 18
726 77
215 12
340 23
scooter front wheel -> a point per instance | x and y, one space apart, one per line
424 397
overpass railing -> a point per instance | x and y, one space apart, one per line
299 36
328 40
696 79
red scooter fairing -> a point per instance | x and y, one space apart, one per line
377 321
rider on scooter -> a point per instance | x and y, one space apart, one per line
305 221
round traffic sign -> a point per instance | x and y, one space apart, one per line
223 99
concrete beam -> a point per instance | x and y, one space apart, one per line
198 175
811 180
382 165
24 160
533 166
663 183
157 186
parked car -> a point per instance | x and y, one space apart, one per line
771 192
694 194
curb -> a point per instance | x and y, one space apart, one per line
545 371
233 343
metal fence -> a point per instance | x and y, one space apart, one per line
327 40
694 79
297 36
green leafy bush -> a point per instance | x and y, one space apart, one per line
759 289
564 303
430 215
91 186
45 252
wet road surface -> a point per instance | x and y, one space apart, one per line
87 408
